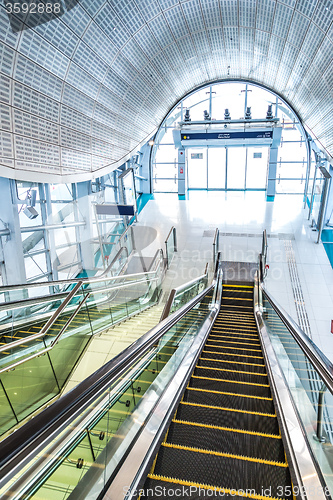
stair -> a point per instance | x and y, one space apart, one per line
224 438
112 341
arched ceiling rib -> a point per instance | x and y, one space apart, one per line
79 92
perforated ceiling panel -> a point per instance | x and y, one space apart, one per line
80 92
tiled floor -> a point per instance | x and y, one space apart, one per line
248 214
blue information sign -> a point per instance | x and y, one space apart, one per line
247 134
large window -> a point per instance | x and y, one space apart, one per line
54 229
237 168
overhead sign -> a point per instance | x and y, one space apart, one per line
108 209
244 134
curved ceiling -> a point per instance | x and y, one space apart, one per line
78 93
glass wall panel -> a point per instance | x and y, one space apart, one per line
287 186
165 185
231 97
197 168
216 168
250 173
165 170
236 168
258 100
256 169
197 103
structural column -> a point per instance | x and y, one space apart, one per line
271 178
272 166
12 244
86 231
181 172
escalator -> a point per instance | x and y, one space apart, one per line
224 436
200 406
48 334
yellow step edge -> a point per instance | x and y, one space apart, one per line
227 285
226 455
232 323
228 429
229 393
218 489
235 298
226 347
231 381
232 354
220 334
231 371
231 326
229 305
234 342
272 415
241 291
24 331
234 333
247 316
235 317
237 325
233 362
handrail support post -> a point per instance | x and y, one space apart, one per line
320 413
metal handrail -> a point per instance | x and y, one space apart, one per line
120 251
52 344
263 256
47 325
172 230
320 362
50 298
41 317
16 304
32 301
216 244
16 449
175 291
8 288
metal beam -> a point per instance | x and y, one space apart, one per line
51 226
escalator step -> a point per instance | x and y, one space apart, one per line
229 386
228 356
241 332
234 443
217 363
229 400
232 339
211 345
227 418
231 374
224 472
154 490
237 301
237 293
234 328
240 308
